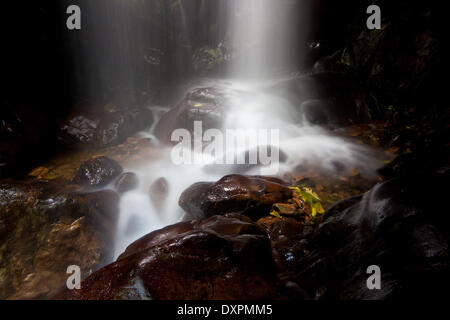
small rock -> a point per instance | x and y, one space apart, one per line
159 191
97 172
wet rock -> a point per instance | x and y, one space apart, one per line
78 130
126 182
397 226
285 209
203 104
250 195
46 227
111 129
219 258
287 240
97 172
115 127
103 129
191 200
159 190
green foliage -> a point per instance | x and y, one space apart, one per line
206 59
310 198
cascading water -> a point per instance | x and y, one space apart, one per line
262 36
263 46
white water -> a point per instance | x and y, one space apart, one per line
264 36
303 144
250 107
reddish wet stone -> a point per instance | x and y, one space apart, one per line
224 257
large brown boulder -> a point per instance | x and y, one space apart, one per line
224 257
250 195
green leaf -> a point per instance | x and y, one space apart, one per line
310 198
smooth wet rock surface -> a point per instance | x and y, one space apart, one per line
219 258
249 195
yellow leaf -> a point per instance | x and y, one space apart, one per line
310 198
312 193
275 214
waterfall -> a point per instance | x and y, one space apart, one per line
264 37
264 50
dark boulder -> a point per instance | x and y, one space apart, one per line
79 130
115 127
286 237
250 195
400 226
103 129
219 258
97 172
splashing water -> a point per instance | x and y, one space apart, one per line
302 143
